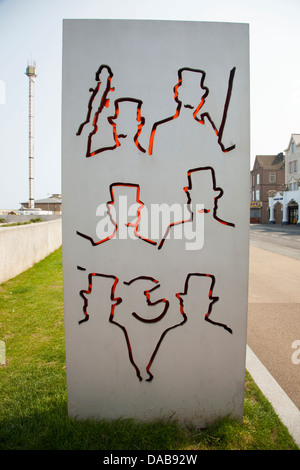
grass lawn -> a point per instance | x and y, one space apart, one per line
33 397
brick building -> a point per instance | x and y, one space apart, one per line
51 204
266 178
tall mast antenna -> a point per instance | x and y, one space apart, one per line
31 74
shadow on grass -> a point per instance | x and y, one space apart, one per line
54 430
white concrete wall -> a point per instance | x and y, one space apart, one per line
24 245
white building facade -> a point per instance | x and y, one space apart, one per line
292 163
290 198
289 201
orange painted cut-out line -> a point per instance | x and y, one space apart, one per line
84 293
215 188
179 104
147 294
159 343
103 103
112 320
176 89
219 133
150 150
176 114
212 298
162 241
135 225
90 105
180 303
141 205
206 211
139 119
117 301
148 278
198 109
115 135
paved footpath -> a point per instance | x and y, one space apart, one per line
274 330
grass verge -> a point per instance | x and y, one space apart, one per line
33 398
13 224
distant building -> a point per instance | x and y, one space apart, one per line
51 204
292 163
289 199
266 178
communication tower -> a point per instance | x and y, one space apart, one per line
31 74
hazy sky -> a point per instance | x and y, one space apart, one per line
33 29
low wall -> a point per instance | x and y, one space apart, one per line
24 245
13 218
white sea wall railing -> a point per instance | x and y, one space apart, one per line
24 245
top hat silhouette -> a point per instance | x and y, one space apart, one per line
203 180
190 81
127 116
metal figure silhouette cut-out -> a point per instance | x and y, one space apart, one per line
114 223
126 125
205 180
206 280
99 99
190 94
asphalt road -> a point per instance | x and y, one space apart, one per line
274 304
283 240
